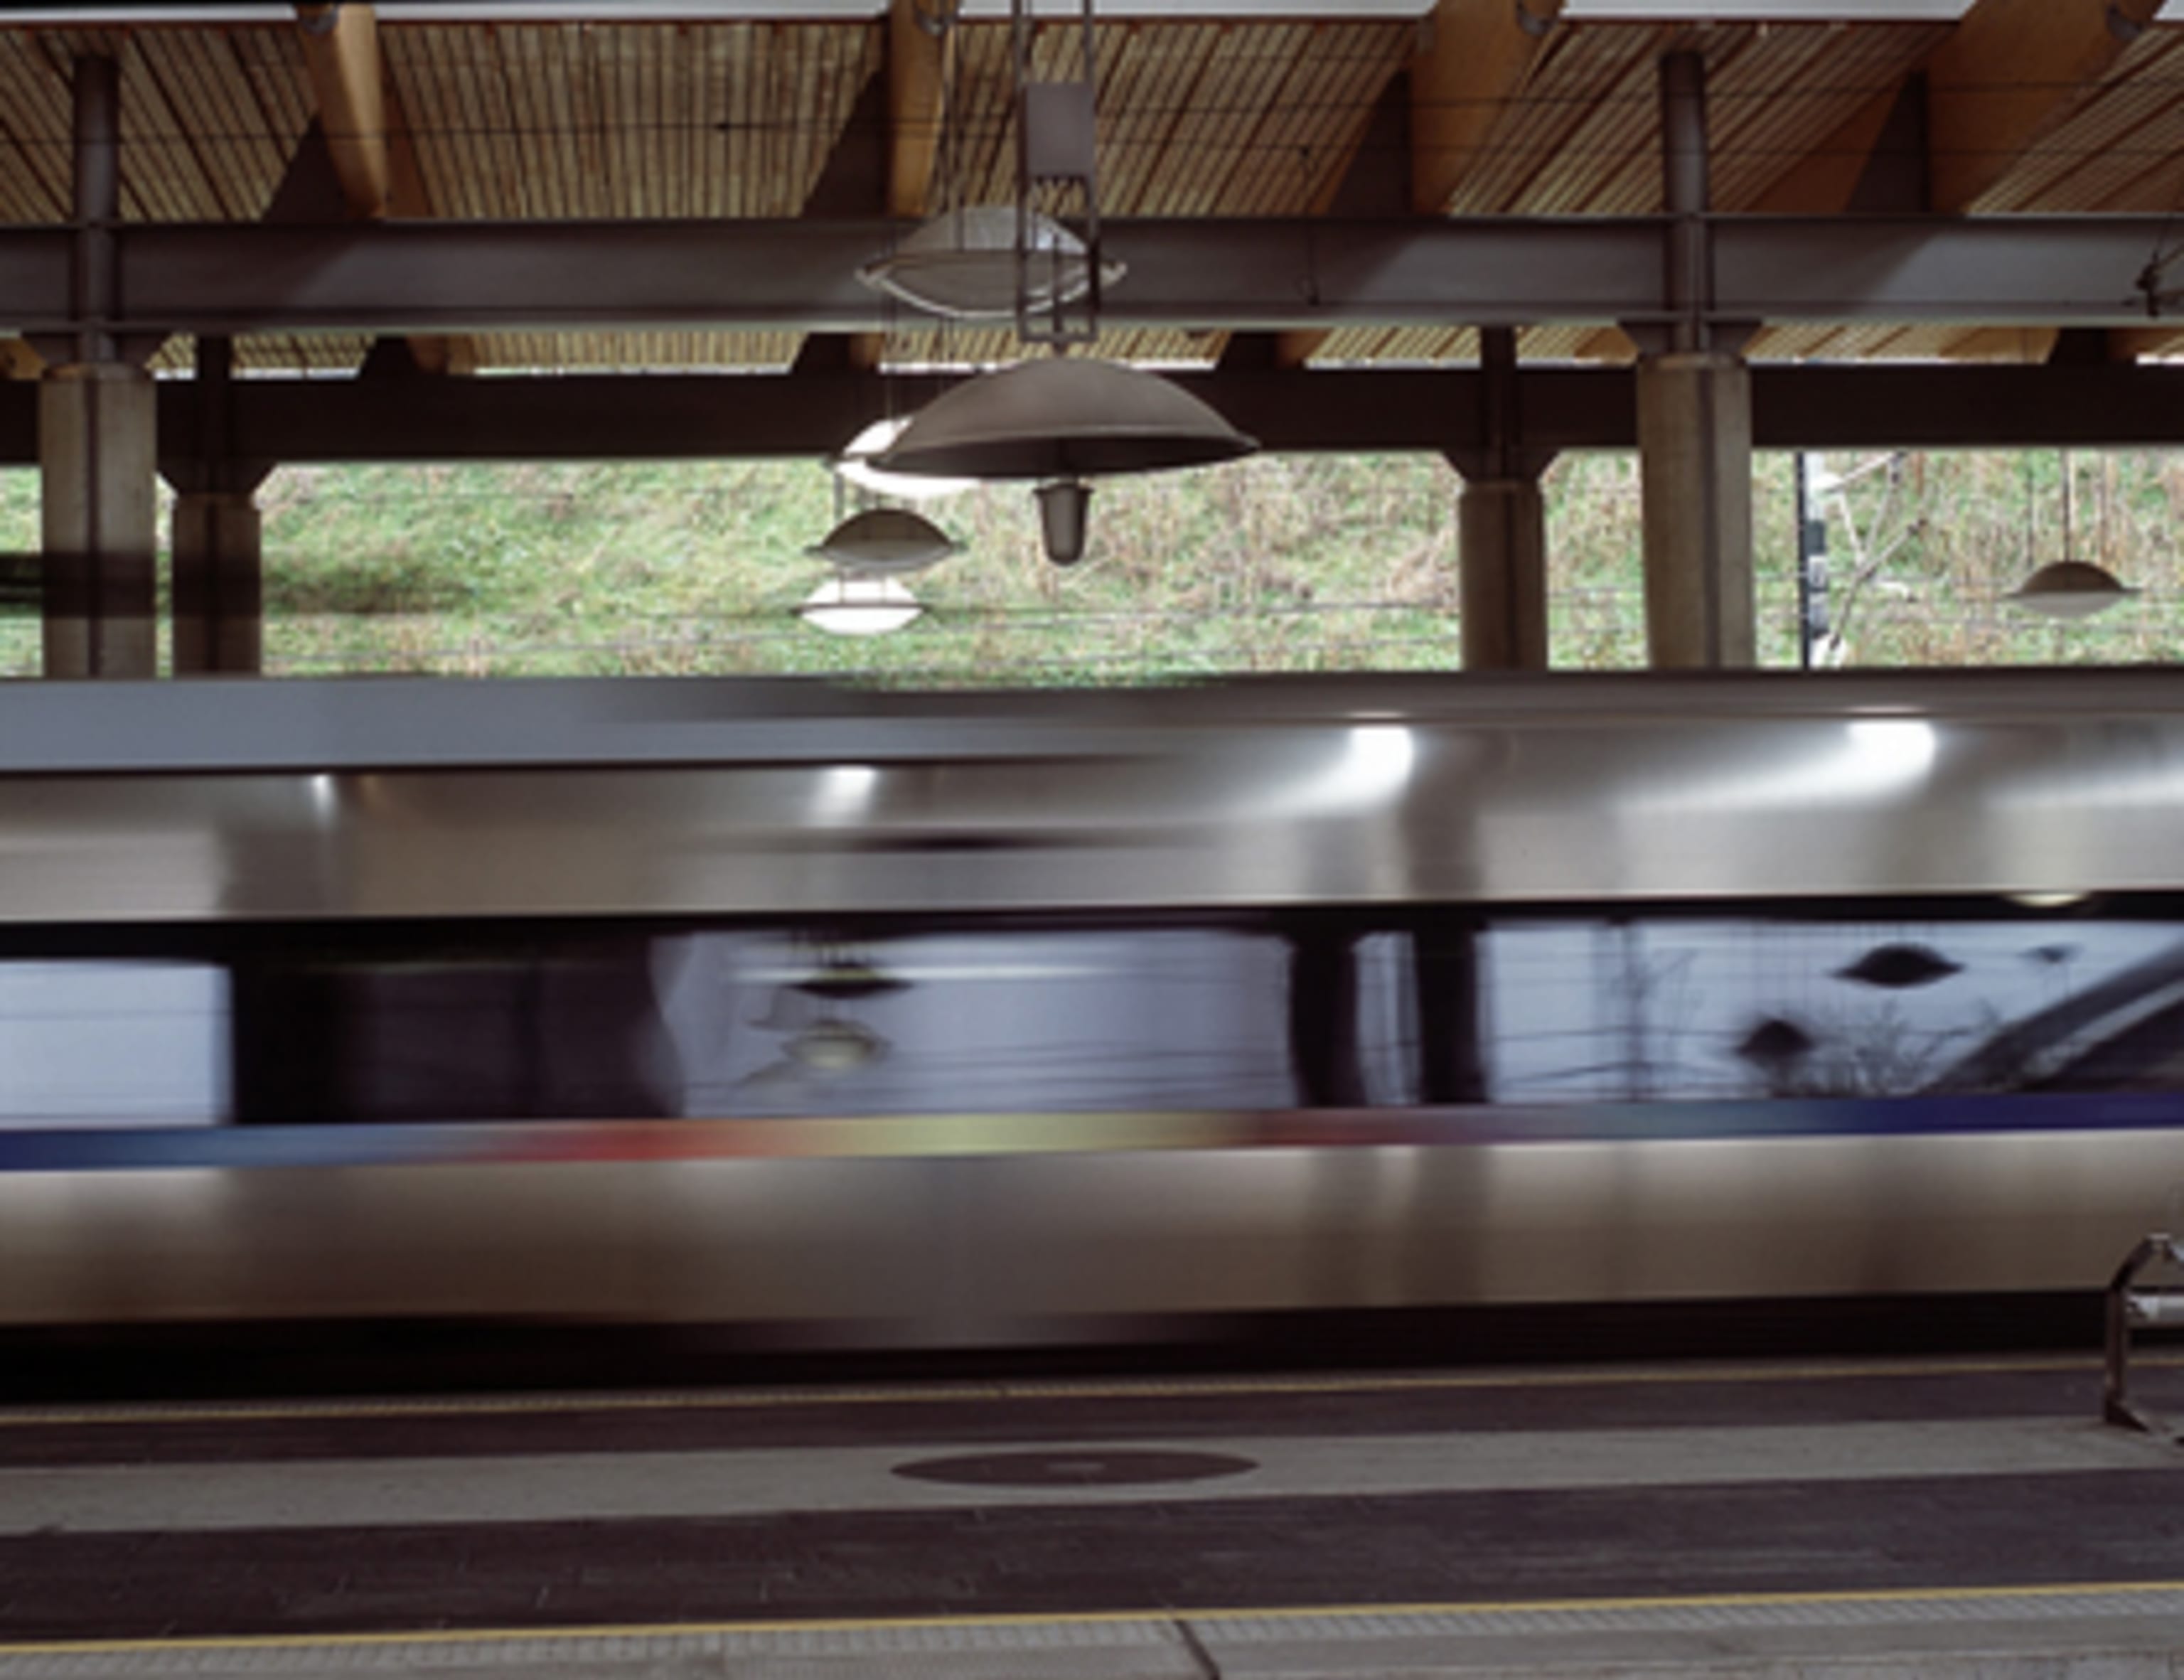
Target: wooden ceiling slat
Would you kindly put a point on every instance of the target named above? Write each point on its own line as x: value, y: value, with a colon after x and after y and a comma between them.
x: 769, y: 98
x: 272, y: 72
x: 1582, y: 70
x: 1237, y: 85
x: 810, y: 131
x: 499, y: 108
x: 259, y: 155
x: 412, y: 59
x: 1129, y: 119
x: 466, y: 138
x: 737, y: 140
x: 1620, y: 172
x: 642, y: 117
x: 33, y: 188
x: 1243, y: 73
x: 675, y: 75
x: 1172, y: 69
x: 1281, y: 155
x: 704, y: 145
x: 551, y: 144
x: 1253, y: 144
x: 2121, y: 139
x: 161, y: 177
x: 793, y: 115
x: 205, y: 181
x: 531, y: 119
x: 1190, y: 78
x: 1377, y: 56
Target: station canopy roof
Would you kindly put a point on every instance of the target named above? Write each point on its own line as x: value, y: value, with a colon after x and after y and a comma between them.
x: 723, y: 109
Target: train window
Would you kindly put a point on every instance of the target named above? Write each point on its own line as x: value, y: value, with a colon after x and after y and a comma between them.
x: 112, y: 1043
x: 1677, y: 1008
x: 995, y: 1021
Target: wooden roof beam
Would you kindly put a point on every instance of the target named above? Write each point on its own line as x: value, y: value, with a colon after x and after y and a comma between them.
x: 2007, y: 75
x: 367, y: 138
x: 921, y: 40
x: 1474, y: 57
x: 1478, y: 56
x: 18, y: 360
x: 341, y: 51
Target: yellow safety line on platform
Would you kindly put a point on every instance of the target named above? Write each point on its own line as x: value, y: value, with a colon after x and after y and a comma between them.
x: 1212, y: 1387
x: 1165, y: 1614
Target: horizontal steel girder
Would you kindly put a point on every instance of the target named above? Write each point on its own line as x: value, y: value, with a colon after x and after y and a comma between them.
x: 1210, y: 274
x: 602, y: 416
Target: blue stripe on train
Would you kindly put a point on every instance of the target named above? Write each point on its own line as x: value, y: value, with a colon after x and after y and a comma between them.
x: 569, y: 1141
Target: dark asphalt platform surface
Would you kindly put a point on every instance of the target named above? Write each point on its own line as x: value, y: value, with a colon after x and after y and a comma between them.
x: 1180, y: 1548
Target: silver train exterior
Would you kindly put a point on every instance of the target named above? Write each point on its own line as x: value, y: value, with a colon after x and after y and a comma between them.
x: 960, y: 1020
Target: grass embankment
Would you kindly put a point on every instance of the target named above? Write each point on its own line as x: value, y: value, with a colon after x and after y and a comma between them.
x: 1280, y: 563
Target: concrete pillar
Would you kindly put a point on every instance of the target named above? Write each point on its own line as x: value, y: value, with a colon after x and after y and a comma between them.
x: 218, y: 595
x: 1695, y: 441
x: 219, y: 550
x: 98, y: 432
x: 1502, y: 523
x: 1694, y: 421
x: 1501, y: 530
x: 97, y: 456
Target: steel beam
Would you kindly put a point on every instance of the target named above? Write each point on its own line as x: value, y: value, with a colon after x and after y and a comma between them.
x: 1244, y: 274
x: 725, y: 416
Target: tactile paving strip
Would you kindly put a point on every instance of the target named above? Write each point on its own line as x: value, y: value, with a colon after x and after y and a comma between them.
x: 1121, y: 1647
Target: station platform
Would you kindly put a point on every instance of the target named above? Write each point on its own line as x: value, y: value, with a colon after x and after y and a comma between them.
x: 1866, y: 1518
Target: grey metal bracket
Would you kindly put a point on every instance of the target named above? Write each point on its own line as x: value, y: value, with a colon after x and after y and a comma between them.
x: 2133, y: 1303
x: 1056, y: 152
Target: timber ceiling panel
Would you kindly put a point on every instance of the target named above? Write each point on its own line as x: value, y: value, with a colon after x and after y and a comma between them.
x: 636, y: 352
x: 2121, y: 150
x: 209, y: 117
x: 1204, y: 118
x: 1585, y: 139
x: 1198, y: 117
x: 326, y: 353
x: 575, y: 120
x: 990, y: 346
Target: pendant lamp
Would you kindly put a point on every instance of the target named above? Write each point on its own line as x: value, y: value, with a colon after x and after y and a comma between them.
x: 964, y: 265
x: 859, y: 606
x: 2070, y: 589
x: 854, y: 464
x: 2067, y: 589
x: 1070, y: 417
x: 884, y: 542
x: 1061, y: 421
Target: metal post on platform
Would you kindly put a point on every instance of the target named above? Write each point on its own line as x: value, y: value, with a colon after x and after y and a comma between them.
x: 2129, y: 1306
x: 1812, y: 564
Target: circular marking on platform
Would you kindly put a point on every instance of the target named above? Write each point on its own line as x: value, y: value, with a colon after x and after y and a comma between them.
x: 1084, y: 1467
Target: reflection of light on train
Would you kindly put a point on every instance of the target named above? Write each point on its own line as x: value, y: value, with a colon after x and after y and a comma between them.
x: 962, y: 1018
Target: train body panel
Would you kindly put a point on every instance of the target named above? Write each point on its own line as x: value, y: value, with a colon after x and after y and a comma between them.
x: 959, y: 1020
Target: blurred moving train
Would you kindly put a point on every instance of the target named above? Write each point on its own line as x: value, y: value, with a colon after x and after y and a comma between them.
x: 959, y: 1020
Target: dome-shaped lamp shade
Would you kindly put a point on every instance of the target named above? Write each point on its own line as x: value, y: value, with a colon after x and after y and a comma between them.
x: 2070, y: 589
x: 859, y: 606
x: 854, y: 464
x: 964, y: 265
x: 1068, y: 418
x: 884, y: 542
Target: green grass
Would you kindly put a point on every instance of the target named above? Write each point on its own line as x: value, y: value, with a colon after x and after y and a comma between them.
x: 1274, y: 564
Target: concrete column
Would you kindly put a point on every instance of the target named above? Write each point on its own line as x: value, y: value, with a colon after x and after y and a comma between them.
x: 97, y: 457
x: 219, y: 550
x: 219, y: 568
x: 1501, y: 530
x: 1694, y: 421
x: 1695, y: 440
x: 1502, y: 523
